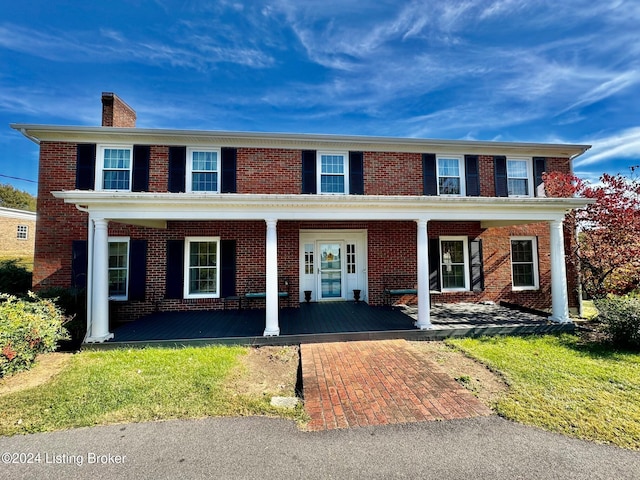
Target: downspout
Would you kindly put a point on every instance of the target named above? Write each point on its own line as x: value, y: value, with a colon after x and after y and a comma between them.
x: 89, y: 271
x: 23, y: 131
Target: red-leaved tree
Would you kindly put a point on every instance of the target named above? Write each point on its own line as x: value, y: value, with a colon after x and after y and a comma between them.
x: 608, y: 230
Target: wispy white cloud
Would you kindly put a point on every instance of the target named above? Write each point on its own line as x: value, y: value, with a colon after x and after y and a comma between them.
x: 624, y: 144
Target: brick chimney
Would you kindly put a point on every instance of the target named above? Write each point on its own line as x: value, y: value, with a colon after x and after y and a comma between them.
x: 116, y: 113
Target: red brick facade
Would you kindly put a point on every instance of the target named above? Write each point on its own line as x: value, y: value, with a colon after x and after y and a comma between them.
x: 391, y: 244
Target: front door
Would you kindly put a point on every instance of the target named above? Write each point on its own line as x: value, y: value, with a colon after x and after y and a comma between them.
x: 330, y: 270
x: 333, y: 263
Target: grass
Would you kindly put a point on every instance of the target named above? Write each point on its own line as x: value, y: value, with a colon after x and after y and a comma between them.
x: 106, y: 387
x: 589, y: 391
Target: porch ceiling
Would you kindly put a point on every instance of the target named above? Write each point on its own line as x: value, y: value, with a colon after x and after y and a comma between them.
x: 132, y: 207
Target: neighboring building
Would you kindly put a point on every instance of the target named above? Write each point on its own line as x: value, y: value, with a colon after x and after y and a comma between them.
x: 17, y: 233
x: 192, y: 220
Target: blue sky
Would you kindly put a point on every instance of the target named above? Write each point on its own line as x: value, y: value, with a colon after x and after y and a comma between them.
x: 505, y: 70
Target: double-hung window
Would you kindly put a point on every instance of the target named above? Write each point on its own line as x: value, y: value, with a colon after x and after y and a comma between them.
x: 454, y: 263
x: 118, y: 268
x: 113, y: 170
x: 203, y: 170
x: 519, y: 177
x: 450, y: 175
x: 524, y: 263
x: 201, y: 267
x: 333, y: 173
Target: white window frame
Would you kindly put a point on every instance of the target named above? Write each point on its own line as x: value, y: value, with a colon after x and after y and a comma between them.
x: 529, y: 163
x: 536, y: 275
x: 345, y: 174
x: 99, y: 177
x: 22, y: 232
x: 465, y: 251
x: 190, y: 171
x: 126, y: 240
x: 187, y: 244
x: 461, y: 165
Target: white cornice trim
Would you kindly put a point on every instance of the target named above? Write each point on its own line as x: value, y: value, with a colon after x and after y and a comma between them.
x: 191, y: 206
x: 18, y: 214
x: 147, y: 136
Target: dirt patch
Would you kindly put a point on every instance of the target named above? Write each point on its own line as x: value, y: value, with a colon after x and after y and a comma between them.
x: 47, y: 366
x: 487, y: 386
x: 268, y: 371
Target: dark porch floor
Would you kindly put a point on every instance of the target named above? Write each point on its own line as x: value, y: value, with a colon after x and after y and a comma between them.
x: 325, y: 322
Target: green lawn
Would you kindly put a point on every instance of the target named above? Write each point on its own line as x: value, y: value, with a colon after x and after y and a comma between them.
x: 588, y: 391
x: 103, y: 387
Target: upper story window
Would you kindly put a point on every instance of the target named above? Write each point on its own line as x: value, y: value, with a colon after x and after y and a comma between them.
x: 454, y: 261
x: 333, y: 173
x: 23, y: 232
x: 113, y: 170
x: 450, y: 176
x: 118, y: 268
x: 519, y: 177
x: 203, y: 170
x: 524, y: 263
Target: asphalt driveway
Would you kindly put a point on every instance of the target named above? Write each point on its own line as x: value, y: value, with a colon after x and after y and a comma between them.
x: 476, y: 448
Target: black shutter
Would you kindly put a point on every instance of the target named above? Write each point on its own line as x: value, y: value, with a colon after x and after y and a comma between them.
x: 175, y: 270
x: 539, y: 167
x: 309, y: 171
x: 472, y: 174
x: 429, y: 177
x: 177, y: 169
x: 229, y: 161
x: 141, y: 154
x: 79, y: 264
x: 501, y: 176
x: 227, y: 268
x: 434, y: 264
x: 477, y: 274
x: 356, y: 173
x: 86, y: 166
x: 137, y: 269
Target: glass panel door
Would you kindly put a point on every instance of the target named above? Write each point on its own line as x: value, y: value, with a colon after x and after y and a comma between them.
x: 330, y: 271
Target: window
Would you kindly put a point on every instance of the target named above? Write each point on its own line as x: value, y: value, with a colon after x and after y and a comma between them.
x: 351, y: 258
x: 308, y: 259
x: 203, y: 170
x: 113, y: 171
x: 118, y: 268
x: 450, y: 176
x: 519, y: 177
x: 334, y: 173
x: 454, y: 261
x: 23, y: 232
x: 202, y: 275
x: 524, y: 263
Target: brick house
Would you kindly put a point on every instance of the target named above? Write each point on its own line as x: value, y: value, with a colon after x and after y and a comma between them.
x: 17, y: 232
x: 154, y: 220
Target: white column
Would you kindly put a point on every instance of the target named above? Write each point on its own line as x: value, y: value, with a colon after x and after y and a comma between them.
x: 559, y: 296
x: 271, y: 324
x: 424, y: 306
x: 100, y: 283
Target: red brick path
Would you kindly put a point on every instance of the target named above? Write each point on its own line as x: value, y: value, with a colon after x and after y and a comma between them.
x: 353, y: 384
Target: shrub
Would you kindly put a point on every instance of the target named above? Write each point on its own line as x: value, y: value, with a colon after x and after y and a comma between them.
x: 14, y: 279
x: 620, y: 319
x: 27, y: 327
x: 72, y: 302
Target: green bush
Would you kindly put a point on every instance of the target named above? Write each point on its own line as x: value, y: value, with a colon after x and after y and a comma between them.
x: 73, y: 303
x: 619, y: 319
x: 14, y: 279
x: 27, y: 327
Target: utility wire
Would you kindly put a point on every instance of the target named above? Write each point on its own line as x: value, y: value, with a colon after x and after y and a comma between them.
x: 18, y: 178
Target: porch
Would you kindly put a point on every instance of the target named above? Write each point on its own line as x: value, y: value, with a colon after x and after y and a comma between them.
x: 327, y: 322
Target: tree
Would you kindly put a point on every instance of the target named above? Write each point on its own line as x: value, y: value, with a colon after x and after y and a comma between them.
x: 10, y: 197
x: 608, y: 230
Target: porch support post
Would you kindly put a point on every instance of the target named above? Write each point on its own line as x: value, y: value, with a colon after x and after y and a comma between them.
x: 559, y: 296
x: 272, y: 328
x: 424, y: 307
x: 99, y: 279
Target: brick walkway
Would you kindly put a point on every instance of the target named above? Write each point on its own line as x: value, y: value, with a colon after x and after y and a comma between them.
x: 351, y: 384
